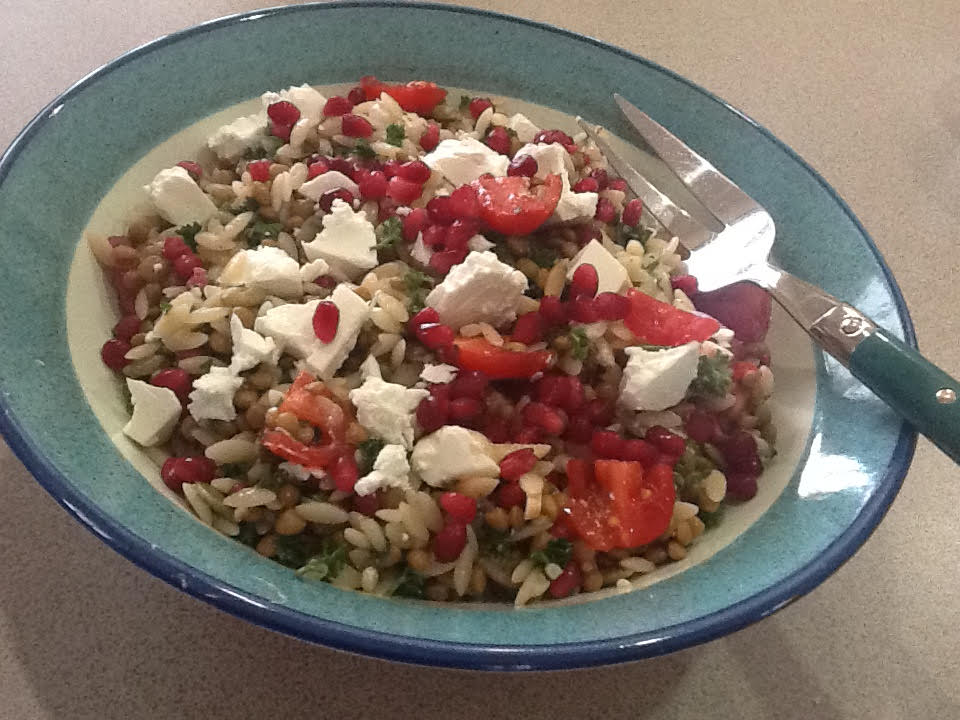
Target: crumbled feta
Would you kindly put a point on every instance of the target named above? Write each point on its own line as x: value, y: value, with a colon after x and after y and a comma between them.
x: 390, y: 469
x: 297, y: 472
x: 479, y: 243
x: 250, y: 348
x: 370, y: 368
x: 291, y: 326
x: 314, y: 269
x: 306, y: 99
x: 553, y: 159
x: 232, y: 141
x: 611, y: 275
x: 656, y: 380
x: 212, y: 396
x: 450, y: 453
x: 480, y: 289
x: 156, y: 411
x: 387, y: 409
x: 526, y: 131
x: 575, y: 206
x: 463, y: 161
x: 330, y: 180
x: 420, y: 252
x: 178, y: 198
x: 268, y: 268
x: 347, y: 242
x: 438, y: 374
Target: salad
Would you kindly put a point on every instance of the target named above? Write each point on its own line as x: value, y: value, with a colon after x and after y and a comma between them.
x: 413, y: 344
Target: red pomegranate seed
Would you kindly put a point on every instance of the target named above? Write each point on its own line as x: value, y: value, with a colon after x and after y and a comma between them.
x: 441, y: 262
x: 194, y: 469
x: 450, y: 541
x: 741, y: 485
x: 325, y: 202
x: 528, y: 435
x: 554, y: 136
x: 523, y: 166
x: 551, y: 390
x: 583, y: 310
x: 478, y: 105
x: 184, y: 265
x: 326, y: 320
x: 198, y: 278
x: 280, y: 131
x: 174, y: 247
x: 498, y: 140
x: 553, y: 311
x: 326, y: 281
x: 587, y: 232
x: 600, y: 411
x: 545, y: 417
x: 113, y: 354
x: 116, y: 240
x: 496, y: 429
x: 742, y: 368
x: 440, y: 210
x: 356, y: 95
x: 587, y: 184
x: 366, y: 504
x: 283, y: 112
x: 342, y: 165
x: 465, y: 409
x: 403, y: 191
x: 665, y: 441
x: 316, y: 168
x: 345, y: 472
x: 632, y: 212
x: 611, y: 306
x: 259, y: 170
x: 687, y: 284
x: 414, y: 223
x: 372, y: 184
x: 127, y: 303
x: 602, y: 178
x: 431, y: 413
x: 435, y: 335
x: 196, y: 172
x: 356, y: 126
x: 584, y: 281
x: 390, y: 168
x: 469, y: 384
x: 174, y: 379
x: 128, y: 326
x: 517, y: 463
x: 567, y: 582
x: 617, y: 184
x: 739, y: 449
x: 579, y: 429
x: 459, y: 507
x: 337, y: 106
x: 529, y: 329
x: 431, y: 137
x: 415, y: 171
x: 464, y: 203
x: 607, y: 444
x: 427, y: 316
x: 639, y: 451
x: 701, y: 426
x: 574, y: 395
x: 510, y: 495
x: 605, y: 211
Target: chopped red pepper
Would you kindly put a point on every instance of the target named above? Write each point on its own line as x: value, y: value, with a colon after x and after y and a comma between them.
x: 659, y: 323
x: 475, y: 353
x: 315, y: 406
x: 418, y: 96
x: 312, y: 457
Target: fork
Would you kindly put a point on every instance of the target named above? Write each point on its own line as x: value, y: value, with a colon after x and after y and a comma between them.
x: 915, y: 388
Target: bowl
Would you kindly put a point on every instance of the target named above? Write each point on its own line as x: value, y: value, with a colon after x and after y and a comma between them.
x: 78, y: 165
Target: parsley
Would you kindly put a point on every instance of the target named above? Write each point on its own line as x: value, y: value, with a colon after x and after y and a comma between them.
x: 395, y: 134
x: 464, y: 102
x: 711, y: 519
x: 417, y: 285
x: 411, y: 585
x: 579, y: 343
x: 232, y: 469
x: 291, y: 551
x: 367, y: 452
x: 389, y: 233
x: 189, y: 234
x: 164, y: 307
x: 363, y: 150
x: 691, y: 467
x: 259, y: 152
x: 713, y: 376
x: 557, y: 551
x: 494, y: 542
x: 511, y: 132
x: 248, y: 534
x: 259, y: 230
x: 326, y: 564
x: 626, y: 233
x: 545, y: 257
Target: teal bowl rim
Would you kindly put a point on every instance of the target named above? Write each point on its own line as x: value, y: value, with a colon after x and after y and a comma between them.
x: 449, y: 654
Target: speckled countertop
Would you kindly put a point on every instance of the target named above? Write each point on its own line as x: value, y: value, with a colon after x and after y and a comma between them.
x: 869, y: 94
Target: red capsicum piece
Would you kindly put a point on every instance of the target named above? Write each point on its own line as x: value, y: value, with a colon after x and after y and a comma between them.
x: 475, y: 353
x: 659, y: 323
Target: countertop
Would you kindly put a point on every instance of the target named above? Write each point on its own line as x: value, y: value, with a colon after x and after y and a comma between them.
x: 869, y: 94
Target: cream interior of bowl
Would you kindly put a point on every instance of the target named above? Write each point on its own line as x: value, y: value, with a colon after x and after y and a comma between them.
x: 91, y: 313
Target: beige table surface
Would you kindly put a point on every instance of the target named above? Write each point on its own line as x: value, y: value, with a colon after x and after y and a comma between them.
x: 869, y: 94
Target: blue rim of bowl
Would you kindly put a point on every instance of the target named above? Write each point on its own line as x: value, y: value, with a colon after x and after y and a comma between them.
x: 400, y: 648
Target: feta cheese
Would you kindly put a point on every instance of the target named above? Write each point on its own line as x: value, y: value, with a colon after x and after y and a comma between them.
x: 387, y: 409
x: 526, y: 131
x: 179, y: 199
x: 307, y: 100
x: 575, y: 206
x: 480, y: 243
x: 232, y: 141
x: 480, y: 289
x: 553, y: 159
x: 250, y: 348
x: 347, y: 242
x: 438, y: 374
x: 268, y: 268
x: 656, y: 380
x: 290, y: 326
x: 390, y: 469
x: 450, y: 453
x: 297, y: 472
x: 330, y: 180
x: 370, y: 368
x: 212, y: 396
x: 314, y: 269
x: 611, y: 275
x: 156, y: 411
x: 464, y: 160
x: 420, y: 252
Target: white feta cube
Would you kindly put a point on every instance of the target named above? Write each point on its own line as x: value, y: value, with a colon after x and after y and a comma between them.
x: 326, y: 358
x: 387, y: 409
x: 479, y: 243
x: 526, y: 131
x: 330, y: 180
x: 439, y: 374
x: 390, y: 469
x: 250, y: 348
x: 268, y: 268
x: 212, y: 396
x: 156, y: 411
x: 290, y: 326
x: 450, y: 453
x: 178, y: 198
x: 306, y: 99
x: 232, y: 141
x: 420, y: 252
x: 313, y: 269
x: 463, y: 160
x: 611, y: 275
x: 370, y: 368
x: 553, y: 159
x: 657, y: 380
x: 347, y: 242
x: 480, y: 289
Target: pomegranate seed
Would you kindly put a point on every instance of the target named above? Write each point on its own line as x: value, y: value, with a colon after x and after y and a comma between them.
x: 665, y: 441
x: 450, y: 541
x: 116, y: 240
x: 574, y: 396
x: 517, y: 463
x: 426, y: 316
x: 617, y: 184
x: 701, y: 426
x: 414, y: 223
x: 510, y: 495
x: 602, y: 178
x: 584, y: 281
x: 579, y: 429
x: 196, y: 172
x: 259, y: 170
x: 540, y: 415
x: 435, y: 336
x: 441, y: 262
x: 600, y: 411
x: 529, y: 435
x: 687, y: 284
x: 390, y: 168
x: 366, y: 504
x: 326, y: 320
x: 554, y: 136
x: 449, y: 354
x: 431, y: 137
x: 606, y: 212
x: 356, y: 126
x: 588, y: 232
x: 198, y: 278
x: 740, y: 485
x: 460, y: 507
x: 496, y: 430
x: 356, y: 95
x: 587, y: 184
x: 440, y: 210
x: 128, y: 326
x: 459, y: 234
x: 403, y: 191
x: 553, y: 311
x: 523, y: 166
x: 632, y: 212
x: 317, y: 168
x: 431, y: 413
x: 280, y: 131
x: 739, y: 449
x: 607, y: 444
x: 342, y: 165
x: 337, y: 106
x: 415, y: 171
x: 639, y: 451
x: 194, y: 469
x: 326, y: 200
x: 611, y: 306
x: 372, y: 184
x: 465, y: 409
x: 113, y: 354
x: 478, y: 105
x: 464, y: 203
x: 551, y: 390
x: 567, y: 582
x: 174, y: 247
x: 127, y: 303
x: 283, y: 112
x: 174, y: 379
x: 498, y: 140
x: 469, y: 384
x: 584, y: 310
x: 742, y: 368
x: 345, y: 472
x: 184, y: 265
x: 529, y: 329
x: 326, y: 281
x: 435, y: 237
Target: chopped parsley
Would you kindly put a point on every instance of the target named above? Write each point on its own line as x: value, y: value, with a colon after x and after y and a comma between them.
x: 363, y: 150
x: 626, y: 233
x: 494, y: 542
x: 395, y: 134
x: 545, y: 257
x: 691, y: 468
x: 389, y: 233
x: 291, y: 551
x: 248, y: 534
x: 232, y: 469
x: 511, y: 132
x: 326, y: 564
x: 367, y: 452
x: 713, y: 376
x: 417, y: 285
x: 259, y: 230
x: 164, y: 307
x: 464, y: 102
x: 411, y: 585
x: 579, y: 343
x: 258, y: 152
x: 557, y: 551
x: 189, y: 234
x: 711, y: 519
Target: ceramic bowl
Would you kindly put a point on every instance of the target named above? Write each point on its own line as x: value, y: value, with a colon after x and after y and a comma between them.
x: 81, y: 161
